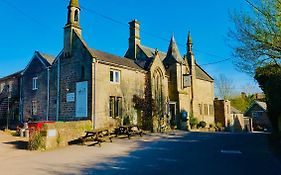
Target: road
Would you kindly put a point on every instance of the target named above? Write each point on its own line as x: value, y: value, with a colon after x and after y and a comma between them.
x: 196, y: 154
x: 180, y: 153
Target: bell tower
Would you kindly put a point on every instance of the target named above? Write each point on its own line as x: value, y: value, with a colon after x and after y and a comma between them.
x: 73, y: 24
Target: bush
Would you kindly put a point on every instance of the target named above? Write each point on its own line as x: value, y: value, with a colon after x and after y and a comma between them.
x: 36, y: 141
x: 211, y: 125
x: 193, y: 121
x: 219, y: 126
x: 201, y: 124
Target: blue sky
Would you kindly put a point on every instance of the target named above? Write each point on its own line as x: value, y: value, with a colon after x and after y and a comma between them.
x: 32, y: 25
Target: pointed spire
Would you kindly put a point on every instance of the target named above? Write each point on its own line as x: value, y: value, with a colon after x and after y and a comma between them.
x: 74, y: 3
x: 173, y: 54
x: 173, y: 50
x: 189, y: 42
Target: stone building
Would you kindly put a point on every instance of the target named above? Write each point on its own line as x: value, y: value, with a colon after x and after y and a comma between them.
x: 9, y: 98
x: 83, y: 83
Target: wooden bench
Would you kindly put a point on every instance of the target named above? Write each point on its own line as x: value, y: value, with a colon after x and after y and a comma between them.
x: 97, y: 136
x: 128, y: 130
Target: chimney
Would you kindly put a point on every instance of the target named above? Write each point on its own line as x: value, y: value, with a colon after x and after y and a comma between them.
x: 134, y: 39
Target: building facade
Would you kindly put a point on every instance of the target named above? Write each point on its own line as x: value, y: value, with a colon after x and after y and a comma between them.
x: 82, y: 83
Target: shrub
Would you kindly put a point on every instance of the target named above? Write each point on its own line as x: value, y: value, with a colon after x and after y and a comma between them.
x: 219, y: 126
x: 193, y: 121
x: 201, y: 124
x: 36, y: 141
x: 211, y: 125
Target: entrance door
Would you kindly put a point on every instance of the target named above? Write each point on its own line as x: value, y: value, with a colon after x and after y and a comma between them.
x: 173, y: 113
x: 82, y: 99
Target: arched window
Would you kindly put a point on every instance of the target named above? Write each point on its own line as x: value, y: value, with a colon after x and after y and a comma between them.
x: 158, y: 90
x: 76, y: 15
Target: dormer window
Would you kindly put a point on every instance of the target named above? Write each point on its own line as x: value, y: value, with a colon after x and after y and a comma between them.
x: 34, y: 83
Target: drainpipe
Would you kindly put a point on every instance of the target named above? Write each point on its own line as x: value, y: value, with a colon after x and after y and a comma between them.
x: 21, y: 103
x: 48, y: 93
x: 95, y: 87
x: 58, y: 90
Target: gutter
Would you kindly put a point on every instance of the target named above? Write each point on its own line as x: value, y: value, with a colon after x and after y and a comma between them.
x: 95, y: 87
x: 58, y: 90
x: 48, y: 93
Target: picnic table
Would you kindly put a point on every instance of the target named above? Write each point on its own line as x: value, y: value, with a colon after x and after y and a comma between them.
x: 128, y: 130
x: 97, y: 136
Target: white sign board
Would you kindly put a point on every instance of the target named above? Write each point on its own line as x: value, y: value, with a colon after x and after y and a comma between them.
x: 70, y: 97
x: 82, y: 99
x: 52, y: 133
x: 186, y: 81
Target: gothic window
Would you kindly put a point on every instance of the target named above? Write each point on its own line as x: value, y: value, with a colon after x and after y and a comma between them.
x: 158, y: 90
x: 76, y: 16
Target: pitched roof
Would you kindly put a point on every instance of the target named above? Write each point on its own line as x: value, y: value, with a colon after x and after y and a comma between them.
x: 47, y: 59
x: 235, y: 111
x: 16, y: 74
x: 107, y: 57
x: 201, y: 74
x: 149, y: 52
x: 173, y: 54
x: 262, y: 105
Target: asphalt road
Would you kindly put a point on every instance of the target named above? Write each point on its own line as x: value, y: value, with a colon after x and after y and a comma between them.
x: 196, y: 154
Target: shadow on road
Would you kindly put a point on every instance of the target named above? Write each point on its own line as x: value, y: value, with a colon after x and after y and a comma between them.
x: 18, y: 144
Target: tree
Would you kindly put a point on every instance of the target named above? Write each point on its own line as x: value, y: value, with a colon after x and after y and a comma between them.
x: 225, y: 87
x: 242, y: 103
x: 269, y: 78
x: 257, y: 35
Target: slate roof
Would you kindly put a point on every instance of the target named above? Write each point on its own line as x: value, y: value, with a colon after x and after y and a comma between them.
x: 262, y: 105
x: 47, y: 59
x: 149, y: 52
x: 16, y: 74
x: 235, y: 111
x: 107, y: 57
x: 173, y: 54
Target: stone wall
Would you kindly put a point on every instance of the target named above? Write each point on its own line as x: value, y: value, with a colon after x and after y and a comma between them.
x: 35, y: 69
x: 203, y: 95
x: 59, y: 134
x: 132, y: 83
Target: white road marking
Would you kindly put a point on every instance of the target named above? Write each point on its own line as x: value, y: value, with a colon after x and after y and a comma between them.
x: 231, y: 152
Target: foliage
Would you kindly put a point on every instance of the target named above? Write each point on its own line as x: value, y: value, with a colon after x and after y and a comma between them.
x: 269, y: 78
x: 202, y: 124
x: 257, y: 35
x: 36, y: 141
x: 146, y: 105
x: 126, y: 120
x: 193, y: 121
x: 224, y: 86
x: 219, y: 126
x: 242, y: 103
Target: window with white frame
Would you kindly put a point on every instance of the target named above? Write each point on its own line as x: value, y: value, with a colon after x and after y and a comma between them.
x: 115, y: 76
x: 35, y: 83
